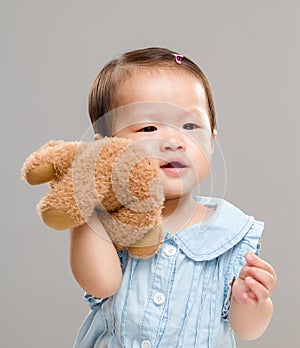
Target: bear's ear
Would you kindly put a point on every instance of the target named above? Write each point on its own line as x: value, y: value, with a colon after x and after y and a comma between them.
x: 98, y: 136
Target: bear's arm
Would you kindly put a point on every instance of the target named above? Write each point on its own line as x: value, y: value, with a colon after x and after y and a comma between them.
x: 49, y: 162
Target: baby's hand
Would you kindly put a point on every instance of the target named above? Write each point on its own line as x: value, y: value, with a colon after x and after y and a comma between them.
x: 255, y: 283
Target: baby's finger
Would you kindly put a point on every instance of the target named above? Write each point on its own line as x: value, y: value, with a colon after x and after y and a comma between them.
x: 262, y: 276
x: 248, y: 299
x: 258, y: 289
x: 253, y: 260
x: 244, y: 272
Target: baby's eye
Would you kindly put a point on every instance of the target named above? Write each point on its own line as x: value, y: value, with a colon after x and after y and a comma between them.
x: 148, y: 129
x: 190, y: 126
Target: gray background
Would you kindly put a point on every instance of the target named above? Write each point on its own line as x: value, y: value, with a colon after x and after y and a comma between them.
x: 50, y: 54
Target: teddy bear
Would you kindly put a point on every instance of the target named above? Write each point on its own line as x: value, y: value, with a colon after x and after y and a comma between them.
x: 112, y: 177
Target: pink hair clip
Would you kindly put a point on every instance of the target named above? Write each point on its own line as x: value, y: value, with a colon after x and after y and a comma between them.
x: 178, y: 58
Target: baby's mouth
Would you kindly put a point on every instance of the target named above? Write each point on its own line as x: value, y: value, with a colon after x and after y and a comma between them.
x: 174, y: 164
x: 174, y: 167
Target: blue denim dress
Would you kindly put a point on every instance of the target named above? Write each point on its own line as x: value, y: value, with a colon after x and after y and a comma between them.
x: 180, y: 296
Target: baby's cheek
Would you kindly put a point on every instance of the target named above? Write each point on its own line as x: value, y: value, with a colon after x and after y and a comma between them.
x: 201, y: 165
x: 202, y: 148
x: 202, y: 138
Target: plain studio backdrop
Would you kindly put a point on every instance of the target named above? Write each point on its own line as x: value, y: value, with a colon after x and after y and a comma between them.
x: 50, y: 53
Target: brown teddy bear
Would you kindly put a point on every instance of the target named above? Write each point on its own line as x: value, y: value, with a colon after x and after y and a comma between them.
x: 111, y: 176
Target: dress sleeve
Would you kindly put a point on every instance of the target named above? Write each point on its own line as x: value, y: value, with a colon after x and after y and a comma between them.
x: 250, y: 242
x: 93, y: 301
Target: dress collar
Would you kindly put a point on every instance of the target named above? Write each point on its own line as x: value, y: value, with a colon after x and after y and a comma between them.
x: 209, y: 239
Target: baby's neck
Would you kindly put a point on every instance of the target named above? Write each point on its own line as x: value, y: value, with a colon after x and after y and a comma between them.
x: 179, y: 213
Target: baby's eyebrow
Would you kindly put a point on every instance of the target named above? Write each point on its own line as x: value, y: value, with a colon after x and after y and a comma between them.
x: 198, y: 118
x: 170, y: 118
x: 195, y: 112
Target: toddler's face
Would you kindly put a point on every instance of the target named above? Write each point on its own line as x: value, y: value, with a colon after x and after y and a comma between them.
x: 168, y: 115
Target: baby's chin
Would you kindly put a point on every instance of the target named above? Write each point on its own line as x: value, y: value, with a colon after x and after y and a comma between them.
x: 173, y: 194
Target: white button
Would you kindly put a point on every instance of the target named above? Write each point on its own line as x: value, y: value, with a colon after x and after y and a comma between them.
x: 159, y: 298
x: 175, y: 239
x: 146, y: 344
x: 170, y: 250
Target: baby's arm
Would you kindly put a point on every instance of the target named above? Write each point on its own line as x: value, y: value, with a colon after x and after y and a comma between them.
x: 94, y: 261
x: 251, y: 308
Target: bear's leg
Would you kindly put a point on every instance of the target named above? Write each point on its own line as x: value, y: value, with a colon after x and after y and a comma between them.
x: 60, y: 208
x: 57, y: 219
x: 149, y: 245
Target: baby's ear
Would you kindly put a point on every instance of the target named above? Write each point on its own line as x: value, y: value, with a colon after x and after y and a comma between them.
x: 98, y: 136
x: 214, y: 135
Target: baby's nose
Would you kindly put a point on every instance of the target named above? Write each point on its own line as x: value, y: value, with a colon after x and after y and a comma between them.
x: 172, y: 145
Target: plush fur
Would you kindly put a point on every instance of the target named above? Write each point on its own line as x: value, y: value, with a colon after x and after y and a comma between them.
x: 113, y: 177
